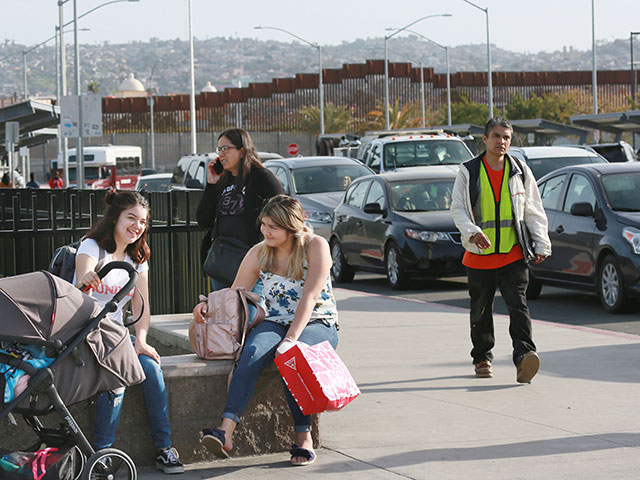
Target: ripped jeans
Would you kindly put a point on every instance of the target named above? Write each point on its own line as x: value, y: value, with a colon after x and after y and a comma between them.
x: 109, y: 405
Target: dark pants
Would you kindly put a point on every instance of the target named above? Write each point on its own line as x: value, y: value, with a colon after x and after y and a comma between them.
x: 512, y: 280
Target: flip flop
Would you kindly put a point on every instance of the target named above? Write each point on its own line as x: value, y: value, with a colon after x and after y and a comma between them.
x: 297, y: 451
x: 213, y: 439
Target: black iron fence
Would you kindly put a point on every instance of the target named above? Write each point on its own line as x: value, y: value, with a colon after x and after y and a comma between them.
x: 33, y: 223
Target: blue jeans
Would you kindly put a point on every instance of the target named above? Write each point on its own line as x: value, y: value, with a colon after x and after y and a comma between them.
x: 109, y: 405
x: 259, y: 351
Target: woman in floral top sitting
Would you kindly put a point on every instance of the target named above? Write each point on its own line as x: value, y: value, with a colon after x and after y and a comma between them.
x: 293, y: 266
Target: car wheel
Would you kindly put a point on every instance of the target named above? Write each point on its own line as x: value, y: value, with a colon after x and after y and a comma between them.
x: 396, y: 271
x: 534, y: 288
x: 341, y: 271
x: 611, y: 286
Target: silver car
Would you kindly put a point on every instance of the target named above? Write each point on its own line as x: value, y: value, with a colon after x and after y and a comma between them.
x: 318, y: 183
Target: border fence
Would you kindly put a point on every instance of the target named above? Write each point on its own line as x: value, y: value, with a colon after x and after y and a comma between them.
x: 33, y: 223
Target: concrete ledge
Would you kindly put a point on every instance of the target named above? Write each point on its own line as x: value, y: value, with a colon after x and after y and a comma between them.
x: 196, y: 392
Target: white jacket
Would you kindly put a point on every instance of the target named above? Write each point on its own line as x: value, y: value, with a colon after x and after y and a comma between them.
x: 526, y: 204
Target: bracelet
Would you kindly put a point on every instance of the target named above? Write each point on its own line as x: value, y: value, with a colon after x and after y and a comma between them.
x: 289, y: 339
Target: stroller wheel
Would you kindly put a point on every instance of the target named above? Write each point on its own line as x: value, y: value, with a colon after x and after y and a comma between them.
x: 109, y: 464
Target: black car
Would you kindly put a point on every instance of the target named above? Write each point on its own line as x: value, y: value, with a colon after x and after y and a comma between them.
x: 594, y: 226
x: 397, y: 223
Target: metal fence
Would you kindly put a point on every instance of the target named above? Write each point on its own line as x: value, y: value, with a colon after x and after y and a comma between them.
x: 33, y: 223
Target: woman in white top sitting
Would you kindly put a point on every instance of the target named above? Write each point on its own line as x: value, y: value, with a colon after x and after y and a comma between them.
x: 293, y: 266
x: 121, y: 235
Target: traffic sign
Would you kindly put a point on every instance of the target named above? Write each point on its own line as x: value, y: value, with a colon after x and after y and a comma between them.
x: 293, y: 149
x: 91, y: 115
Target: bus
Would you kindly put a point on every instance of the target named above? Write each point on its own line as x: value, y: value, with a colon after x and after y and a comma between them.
x: 106, y: 166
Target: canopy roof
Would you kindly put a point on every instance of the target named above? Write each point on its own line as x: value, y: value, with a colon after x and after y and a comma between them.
x: 35, y: 119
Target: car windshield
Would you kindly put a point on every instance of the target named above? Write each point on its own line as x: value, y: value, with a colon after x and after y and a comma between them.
x: 425, y: 152
x: 622, y: 190
x: 421, y: 195
x: 326, y: 178
x: 90, y: 173
x: 154, y: 184
x: 541, y: 166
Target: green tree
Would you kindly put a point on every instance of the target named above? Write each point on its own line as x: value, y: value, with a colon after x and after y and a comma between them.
x: 94, y: 87
x: 407, y: 116
x: 336, y: 118
x: 466, y: 110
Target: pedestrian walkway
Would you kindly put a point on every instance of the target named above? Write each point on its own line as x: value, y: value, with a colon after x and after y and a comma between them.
x: 423, y: 415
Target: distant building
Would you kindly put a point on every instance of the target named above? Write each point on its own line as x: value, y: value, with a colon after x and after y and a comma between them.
x: 208, y: 88
x: 130, y: 87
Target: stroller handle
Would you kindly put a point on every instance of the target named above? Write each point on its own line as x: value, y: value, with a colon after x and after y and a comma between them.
x: 133, y: 278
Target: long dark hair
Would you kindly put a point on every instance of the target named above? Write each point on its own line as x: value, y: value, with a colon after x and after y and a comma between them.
x: 240, y: 139
x: 102, y: 231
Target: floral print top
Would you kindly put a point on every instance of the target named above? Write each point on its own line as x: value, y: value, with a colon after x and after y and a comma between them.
x: 282, y: 296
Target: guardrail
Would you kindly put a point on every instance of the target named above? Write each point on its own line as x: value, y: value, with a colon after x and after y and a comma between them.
x: 33, y: 223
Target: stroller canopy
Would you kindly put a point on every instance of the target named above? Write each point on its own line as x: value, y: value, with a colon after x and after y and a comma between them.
x: 40, y: 305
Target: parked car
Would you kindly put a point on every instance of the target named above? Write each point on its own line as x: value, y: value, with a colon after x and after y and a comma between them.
x: 542, y: 160
x: 397, y: 223
x: 594, y: 226
x: 318, y: 183
x: 191, y: 170
x: 616, y: 152
x: 157, y: 182
x: 398, y: 152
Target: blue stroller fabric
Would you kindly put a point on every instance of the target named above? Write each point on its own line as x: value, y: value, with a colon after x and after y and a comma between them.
x: 32, y: 354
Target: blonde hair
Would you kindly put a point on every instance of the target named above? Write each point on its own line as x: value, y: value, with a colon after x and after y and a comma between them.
x: 286, y: 212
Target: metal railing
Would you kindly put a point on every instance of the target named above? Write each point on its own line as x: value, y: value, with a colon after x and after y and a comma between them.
x: 33, y: 223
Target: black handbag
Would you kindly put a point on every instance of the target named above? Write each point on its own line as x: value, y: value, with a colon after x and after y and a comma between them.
x: 224, y: 258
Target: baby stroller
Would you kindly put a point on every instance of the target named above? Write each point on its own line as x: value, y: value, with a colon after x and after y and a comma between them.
x: 72, y: 350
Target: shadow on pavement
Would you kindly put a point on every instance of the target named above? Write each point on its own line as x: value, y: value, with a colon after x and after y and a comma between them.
x: 535, y: 448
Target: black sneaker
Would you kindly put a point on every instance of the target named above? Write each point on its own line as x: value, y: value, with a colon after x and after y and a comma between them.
x: 168, y: 461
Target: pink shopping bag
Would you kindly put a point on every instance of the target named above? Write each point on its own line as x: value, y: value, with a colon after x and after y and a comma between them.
x: 317, y: 378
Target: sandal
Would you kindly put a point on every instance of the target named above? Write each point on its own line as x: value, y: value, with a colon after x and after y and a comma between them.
x: 297, y: 451
x: 214, y: 440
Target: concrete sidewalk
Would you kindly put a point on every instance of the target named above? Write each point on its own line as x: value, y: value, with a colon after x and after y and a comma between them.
x: 423, y: 415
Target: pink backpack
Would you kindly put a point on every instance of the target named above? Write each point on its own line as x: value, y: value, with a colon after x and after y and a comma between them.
x: 222, y: 337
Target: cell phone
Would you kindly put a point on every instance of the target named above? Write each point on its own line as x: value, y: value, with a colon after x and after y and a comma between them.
x: 217, y: 166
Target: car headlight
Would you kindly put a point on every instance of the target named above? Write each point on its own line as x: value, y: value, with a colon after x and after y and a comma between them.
x: 317, y: 216
x: 427, y: 236
x: 632, y: 235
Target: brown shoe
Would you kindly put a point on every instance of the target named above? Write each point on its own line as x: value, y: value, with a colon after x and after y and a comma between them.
x: 528, y: 367
x: 483, y: 369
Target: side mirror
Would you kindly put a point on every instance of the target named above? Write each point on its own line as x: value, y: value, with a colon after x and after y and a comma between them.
x: 194, y: 184
x: 582, y: 209
x: 373, y: 208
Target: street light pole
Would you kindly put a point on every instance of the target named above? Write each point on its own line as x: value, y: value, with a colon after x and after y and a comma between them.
x: 446, y: 49
x: 79, y: 146
x: 62, y: 141
x: 386, y: 62
x: 489, y: 73
x: 634, y: 79
x: 192, y: 101
x: 320, y: 75
x: 594, y: 75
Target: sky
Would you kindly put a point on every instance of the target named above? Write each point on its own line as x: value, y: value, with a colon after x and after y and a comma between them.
x: 516, y: 25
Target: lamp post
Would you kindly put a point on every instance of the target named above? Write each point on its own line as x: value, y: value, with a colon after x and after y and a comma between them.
x: 634, y: 79
x: 446, y: 49
x: 422, y: 107
x: 386, y: 62
x: 79, y: 149
x: 594, y: 76
x: 152, y: 91
x: 192, y: 96
x: 489, y: 73
x: 320, y: 78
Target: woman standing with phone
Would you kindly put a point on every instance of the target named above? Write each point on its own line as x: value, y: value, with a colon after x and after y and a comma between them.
x: 237, y: 188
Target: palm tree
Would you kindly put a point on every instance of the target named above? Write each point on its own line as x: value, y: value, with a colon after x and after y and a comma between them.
x: 407, y: 116
x: 336, y: 118
x: 94, y: 87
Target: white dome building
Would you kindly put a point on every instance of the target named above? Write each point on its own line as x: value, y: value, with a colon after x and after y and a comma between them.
x: 131, y: 87
x: 208, y: 88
